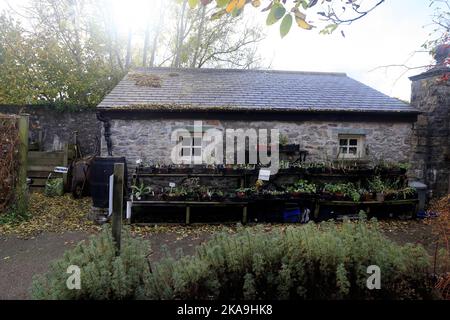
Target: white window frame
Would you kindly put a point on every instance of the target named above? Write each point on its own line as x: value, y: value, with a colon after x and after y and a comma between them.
x: 190, y: 145
x: 345, y: 151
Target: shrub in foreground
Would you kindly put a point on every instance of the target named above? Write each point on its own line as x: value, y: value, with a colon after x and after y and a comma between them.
x: 103, y: 275
x: 325, y: 261
x: 313, y: 262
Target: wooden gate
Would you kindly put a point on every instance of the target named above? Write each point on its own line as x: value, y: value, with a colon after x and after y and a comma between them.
x: 41, y: 164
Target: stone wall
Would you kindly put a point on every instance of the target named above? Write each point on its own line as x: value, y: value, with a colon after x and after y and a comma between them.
x: 150, y: 139
x: 431, y: 134
x: 57, y: 128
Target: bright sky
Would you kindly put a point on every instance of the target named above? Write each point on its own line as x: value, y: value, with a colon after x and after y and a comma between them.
x: 388, y: 35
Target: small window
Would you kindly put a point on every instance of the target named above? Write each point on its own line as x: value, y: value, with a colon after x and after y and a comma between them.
x: 351, y: 147
x: 191, y: 147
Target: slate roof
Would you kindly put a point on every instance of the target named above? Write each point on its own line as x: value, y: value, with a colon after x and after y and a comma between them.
x: 259, y: 90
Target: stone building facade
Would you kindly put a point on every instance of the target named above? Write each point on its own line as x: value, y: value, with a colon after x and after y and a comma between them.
x: 431, y: 134
x: 316, y: 110
x: 150, y: 139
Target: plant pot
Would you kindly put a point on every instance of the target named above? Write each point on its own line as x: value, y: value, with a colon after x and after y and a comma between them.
x: 380, y: 197
x: 340, y: 197
x: 241, y: 195
x: 367, y: 197
x: 290, y: 148
x: 217, y: 198
x: 205, y: 197
x: 391, y: 196
x: 338, y: 171
x: 162, y: 170
x: 326, y: 195
x: 143, y: 169
x: 296, y: 195
x: 228, y: 170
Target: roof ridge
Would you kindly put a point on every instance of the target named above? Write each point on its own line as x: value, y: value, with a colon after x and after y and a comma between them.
x: 240, y: 70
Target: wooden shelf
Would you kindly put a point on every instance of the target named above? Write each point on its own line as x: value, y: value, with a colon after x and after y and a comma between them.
x: 188, y: 175
x: 191, y: 203
x: 352, y: 203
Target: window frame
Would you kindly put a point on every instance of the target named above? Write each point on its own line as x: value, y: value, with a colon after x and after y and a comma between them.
x: 192, y: 146
x: 360, y: 149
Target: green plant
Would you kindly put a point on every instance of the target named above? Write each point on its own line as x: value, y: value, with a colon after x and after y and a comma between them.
x: 377, y: 185
x: 303, y: 186
x: 140, y: 191
x: 284, y: 140
x: 104, y: 275
x: 54, y: 187
x: 181, y: 192
x: 273, y: 193
x: 326, y: 262
x: 404, y: 166
x: 16, y: 213
x: 347, y: 189
x: 246, y: 191
x: 407, y: 192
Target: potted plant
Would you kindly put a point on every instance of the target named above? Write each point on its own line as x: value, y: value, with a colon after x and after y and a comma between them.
x: 342, y: 191
x: 334, y: 191
x: 241, y: 193
x: 244, y: 193
x: 217, y: 195
x: 161, y: 168
x: 176, y: 194
x: 140, y: 191
x: 366, y: 195
x: 205, y: 194
x: 228, y: 169
x: 407, y: 193
x: 301, y: 189
x: 403, y: 167
x: 279, y: 195
x: 316, y: 168
x: 378, y: 187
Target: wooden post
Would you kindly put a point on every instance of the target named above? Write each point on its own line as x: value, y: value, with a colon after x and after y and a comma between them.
x: 22, y: 189
x: 119, y: 169
x: 317, y: 209
x: 188, y: 215
x: 244, y: 215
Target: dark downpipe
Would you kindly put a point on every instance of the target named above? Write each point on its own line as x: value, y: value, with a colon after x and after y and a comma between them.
x: 107, y: 133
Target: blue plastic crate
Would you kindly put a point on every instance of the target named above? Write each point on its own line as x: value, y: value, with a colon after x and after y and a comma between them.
x: 292, y: 215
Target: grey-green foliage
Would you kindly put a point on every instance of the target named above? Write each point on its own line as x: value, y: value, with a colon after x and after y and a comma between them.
x: 326, y: 262
x: 103, y: 275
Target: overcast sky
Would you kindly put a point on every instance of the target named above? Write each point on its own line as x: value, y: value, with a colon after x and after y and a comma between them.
x: 388, y: 35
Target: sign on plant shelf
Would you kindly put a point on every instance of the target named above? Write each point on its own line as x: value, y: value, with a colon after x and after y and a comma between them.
x: 264, y: 175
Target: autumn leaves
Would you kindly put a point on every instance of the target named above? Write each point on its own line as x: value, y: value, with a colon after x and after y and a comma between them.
x: 276, y: 8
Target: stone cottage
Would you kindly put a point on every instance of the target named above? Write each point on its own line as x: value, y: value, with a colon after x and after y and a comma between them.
x: 330, y: 115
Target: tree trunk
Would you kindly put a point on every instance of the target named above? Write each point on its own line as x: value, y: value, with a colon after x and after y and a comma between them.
x: 146, y: 41
x: 199, y: 37
x: 180, y: 36
x: 156, y: 36
x: 128, y: 58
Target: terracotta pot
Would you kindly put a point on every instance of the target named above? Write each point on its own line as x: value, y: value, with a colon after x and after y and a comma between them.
x: 380, y: 197
x: 241, y: 194
x: 367, y: 197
